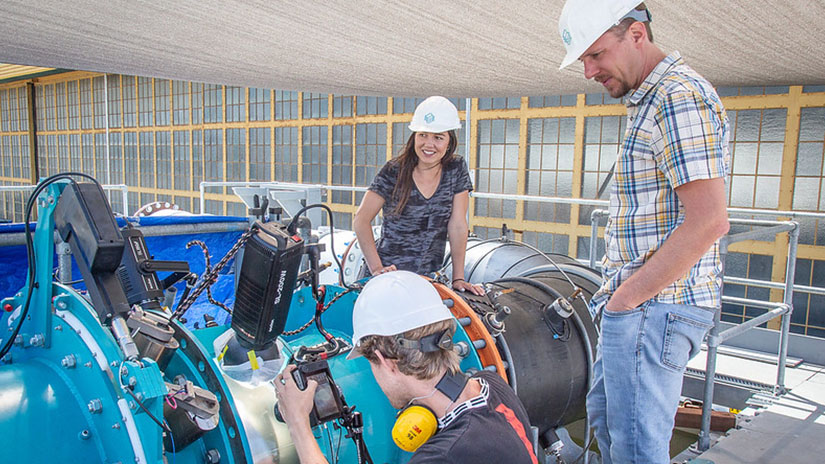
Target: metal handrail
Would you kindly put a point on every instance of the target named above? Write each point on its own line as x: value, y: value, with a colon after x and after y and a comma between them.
x: 783, y: 310
x: 124, y: 192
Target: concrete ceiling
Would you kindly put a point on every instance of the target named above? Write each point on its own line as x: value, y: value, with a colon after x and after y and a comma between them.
x: 458, y: 48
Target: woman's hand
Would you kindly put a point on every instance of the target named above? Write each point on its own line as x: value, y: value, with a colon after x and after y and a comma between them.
x: 384, y: 269
x: 463, y: 286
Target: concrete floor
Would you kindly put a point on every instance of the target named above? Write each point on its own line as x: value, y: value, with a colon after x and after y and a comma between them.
x: 789, y: 430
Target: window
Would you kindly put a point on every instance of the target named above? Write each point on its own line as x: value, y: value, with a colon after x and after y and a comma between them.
x: 60, y: 113
x: 316, y: 105
x: 808, y: 318
x: 809, y: 191
x: 101, y: 168
x: 286, y: 105
x: 180, y: 103
x: 497, y: 166
x: 163, y: 155
x: 370, y: 153
x: 113, y: 90
x: 551, y: 101
x: 751, y: 266
x: 601, y: 99
x: 499, y: 103
x: 341, y: 162
x: 341, y: 106
x: 259, y: 157
x: 235, y: 104
x: 233, y: 208
x: 116, y: 159
x: 74, y: 106
x: 197, y: 163
x: 53, y: 163
x: 547, y: 242
x: 14, y: 115
x: 213, y: 103
x: 63, y: 159
x: 405, y: 105
x: 99, y: 97
x: 602, y: 142
x: 259, y: 104
x: 88, y: 151
x: 162, y: 102
x: 197, y: 103
x: 129, y: 102
x: 371, y: 105
x: 400, y: 135
x: 49, y: 103
x: 314, y: 153
x: 145, y: 101
x: 286, y: 154
x: 130, y: 159
x: 4, y: 110
x: 549, y: 170
x: 235, y: 155
x: 147, y: 160
x: 756, y: 145
x: 213, y: 155
x: 74, y: 152
x: 86, y: 114
x: 181, y: 160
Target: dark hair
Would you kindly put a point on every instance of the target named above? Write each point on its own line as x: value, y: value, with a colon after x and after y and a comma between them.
x: 622, y: 27
x: 407, y: 161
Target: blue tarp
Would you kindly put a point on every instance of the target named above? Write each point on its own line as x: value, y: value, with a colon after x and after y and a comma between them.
x: 13, y: 262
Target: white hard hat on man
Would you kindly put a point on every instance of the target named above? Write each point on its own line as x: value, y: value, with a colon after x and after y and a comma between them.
x: 393, y: 303
x: 582, y: 22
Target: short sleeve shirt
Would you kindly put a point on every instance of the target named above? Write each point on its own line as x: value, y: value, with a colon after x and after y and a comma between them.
x: 677, y: 132
x: 415, y: 239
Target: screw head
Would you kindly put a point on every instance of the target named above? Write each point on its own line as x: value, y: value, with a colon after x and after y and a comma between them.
x: 69, y: 361
x: 95, y: 406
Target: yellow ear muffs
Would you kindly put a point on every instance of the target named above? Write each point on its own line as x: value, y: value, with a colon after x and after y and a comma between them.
x: 413, y: 427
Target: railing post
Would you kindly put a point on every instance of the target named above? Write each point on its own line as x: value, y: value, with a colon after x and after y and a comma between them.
x: 710, y: 368
x: 790, y: 274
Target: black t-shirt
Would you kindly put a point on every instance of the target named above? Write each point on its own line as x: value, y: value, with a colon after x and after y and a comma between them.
x: 415, y: 239
x: 494, y: 429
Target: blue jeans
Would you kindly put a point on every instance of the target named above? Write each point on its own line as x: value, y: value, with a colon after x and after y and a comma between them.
x: 637, y: 378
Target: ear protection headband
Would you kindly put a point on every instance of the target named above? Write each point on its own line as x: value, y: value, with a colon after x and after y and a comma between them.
x: 415, y: 424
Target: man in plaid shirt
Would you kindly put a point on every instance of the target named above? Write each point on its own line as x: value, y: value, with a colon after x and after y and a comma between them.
x: 662, y: 269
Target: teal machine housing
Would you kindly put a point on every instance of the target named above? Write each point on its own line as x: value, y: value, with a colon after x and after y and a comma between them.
x: 64, y: 382
x: 70, y: 390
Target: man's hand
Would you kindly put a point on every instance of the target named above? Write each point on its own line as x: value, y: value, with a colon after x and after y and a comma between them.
x: 294, y: 404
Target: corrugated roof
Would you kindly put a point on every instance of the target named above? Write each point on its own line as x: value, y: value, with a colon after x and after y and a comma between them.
x: 12, y: 71
x: 405, y: 48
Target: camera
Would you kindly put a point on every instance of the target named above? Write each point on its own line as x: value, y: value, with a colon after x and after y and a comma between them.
x: 328, y: 404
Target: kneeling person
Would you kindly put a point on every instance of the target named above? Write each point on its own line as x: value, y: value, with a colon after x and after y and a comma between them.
x: 405, y: 332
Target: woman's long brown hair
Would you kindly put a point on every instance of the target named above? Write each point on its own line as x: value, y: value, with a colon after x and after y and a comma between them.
x: 406, y: 162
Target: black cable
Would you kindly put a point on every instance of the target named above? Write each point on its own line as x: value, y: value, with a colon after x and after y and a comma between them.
x: 32, y: 267
x: 291, y: 229
x: 162, y: 425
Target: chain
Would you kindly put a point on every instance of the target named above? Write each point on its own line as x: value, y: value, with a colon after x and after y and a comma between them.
x: 309, y: 323
x: 210, y: 275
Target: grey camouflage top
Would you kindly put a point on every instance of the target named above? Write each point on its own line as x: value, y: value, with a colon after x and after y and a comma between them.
x: 415, y: 240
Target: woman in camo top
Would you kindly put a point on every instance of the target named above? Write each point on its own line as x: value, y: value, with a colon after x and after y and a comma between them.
x: 423, y: 194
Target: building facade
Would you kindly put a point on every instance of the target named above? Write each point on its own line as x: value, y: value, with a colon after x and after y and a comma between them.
x: 162, y: 138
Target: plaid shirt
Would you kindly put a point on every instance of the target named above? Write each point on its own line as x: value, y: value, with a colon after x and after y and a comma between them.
x: 677, y: 132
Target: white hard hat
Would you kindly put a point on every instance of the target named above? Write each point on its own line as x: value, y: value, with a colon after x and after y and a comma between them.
x: 582, y: 22
x: 393, y: 303
x: 435, y: 114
